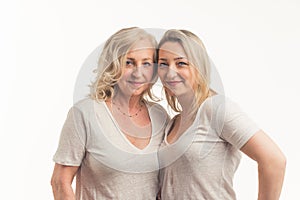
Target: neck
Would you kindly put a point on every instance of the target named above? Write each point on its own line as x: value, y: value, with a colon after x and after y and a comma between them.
x: 125, y: 101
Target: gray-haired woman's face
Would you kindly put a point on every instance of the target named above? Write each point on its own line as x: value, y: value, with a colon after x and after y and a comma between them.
x: 137, y: 73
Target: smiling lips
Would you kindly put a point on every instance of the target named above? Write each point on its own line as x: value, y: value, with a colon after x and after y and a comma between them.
x: 173, y: 83
x: 136, y: 83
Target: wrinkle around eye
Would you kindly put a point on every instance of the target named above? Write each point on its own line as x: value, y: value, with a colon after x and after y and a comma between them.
x: 148, y: 64
x: 162, y: 65
x: 129, y: 63
x: 182, y: 64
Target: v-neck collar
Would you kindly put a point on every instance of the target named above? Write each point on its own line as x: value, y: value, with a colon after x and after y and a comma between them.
x: 121, y: 132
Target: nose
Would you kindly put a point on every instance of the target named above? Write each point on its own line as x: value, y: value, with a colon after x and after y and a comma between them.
x: 172, y: 72
x: 137, y: 71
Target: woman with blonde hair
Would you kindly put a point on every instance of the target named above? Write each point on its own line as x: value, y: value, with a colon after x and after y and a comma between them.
x: 201, y: 148
x: 109, y: 141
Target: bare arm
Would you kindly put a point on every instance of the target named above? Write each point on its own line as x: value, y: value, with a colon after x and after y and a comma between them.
x: 61, y: 182
x: 271, y: 165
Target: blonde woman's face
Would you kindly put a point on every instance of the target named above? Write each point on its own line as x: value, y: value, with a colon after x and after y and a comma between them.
x: 137, y: 72
x: 174, y: 69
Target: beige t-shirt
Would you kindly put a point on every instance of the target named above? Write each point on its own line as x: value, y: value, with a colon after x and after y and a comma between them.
x: 202, y: 162
x: 110, y: 166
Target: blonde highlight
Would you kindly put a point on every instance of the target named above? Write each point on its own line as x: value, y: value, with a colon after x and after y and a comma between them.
x: 111, y: 60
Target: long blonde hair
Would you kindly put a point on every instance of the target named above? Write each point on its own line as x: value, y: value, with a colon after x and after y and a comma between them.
x: 111, y: 60
x: 198, y: 59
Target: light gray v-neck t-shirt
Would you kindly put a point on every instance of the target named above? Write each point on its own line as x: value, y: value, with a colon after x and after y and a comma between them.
x: 202, y: 162
x: 110, y: 166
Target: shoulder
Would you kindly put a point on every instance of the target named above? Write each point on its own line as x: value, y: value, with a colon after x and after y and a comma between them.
x: 211, y: 106
x: 88, y: 104
x: 219, y: 103
x: 87, y: 107
x: 227, y: 107
x: 217, y: 110
x: 84, y: 104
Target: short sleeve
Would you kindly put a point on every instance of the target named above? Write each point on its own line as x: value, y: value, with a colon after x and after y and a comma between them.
x: 238, y: 128
x: 71, y: 147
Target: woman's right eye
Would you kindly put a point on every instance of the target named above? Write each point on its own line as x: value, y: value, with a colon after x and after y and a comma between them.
x: 129, y: 63
x: 162, y: 65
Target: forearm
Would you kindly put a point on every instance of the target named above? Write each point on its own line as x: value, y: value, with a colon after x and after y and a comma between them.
x: 61, y: 182
x: 271, y: 165
x: 271, y: 177
x: 63, y: 191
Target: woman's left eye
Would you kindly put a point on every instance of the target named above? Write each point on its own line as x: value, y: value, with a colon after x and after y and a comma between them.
x: 147, y: 64
x: 162, y: 65
x: 182, y: 64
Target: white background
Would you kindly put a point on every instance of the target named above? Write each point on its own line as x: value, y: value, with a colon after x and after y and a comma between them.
x: 254, y: 44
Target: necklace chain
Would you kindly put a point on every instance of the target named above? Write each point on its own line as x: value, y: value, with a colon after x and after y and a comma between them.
x: 133, y: 115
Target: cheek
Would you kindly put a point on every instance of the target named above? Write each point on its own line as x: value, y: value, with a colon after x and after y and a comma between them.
x: 188, y: 75
x: 126, y: 73
x: 149, y: 73
x: 193, y: 80
x: 161, y: 73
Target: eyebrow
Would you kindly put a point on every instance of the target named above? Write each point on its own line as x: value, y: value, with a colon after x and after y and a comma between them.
x: 163, y: 59
x: 178, y: 58
x: 133, y: 59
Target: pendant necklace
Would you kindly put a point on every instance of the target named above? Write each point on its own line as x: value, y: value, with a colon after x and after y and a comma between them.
x: 133, y: 115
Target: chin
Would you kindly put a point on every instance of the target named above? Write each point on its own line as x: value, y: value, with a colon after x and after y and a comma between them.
x: 138, y: 92
x: 176, y: 92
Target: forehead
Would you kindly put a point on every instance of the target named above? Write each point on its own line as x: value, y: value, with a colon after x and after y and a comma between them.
x: 142, y: 44
x: 172, y: 48
x: 140, y: 48
x: 141, y: 53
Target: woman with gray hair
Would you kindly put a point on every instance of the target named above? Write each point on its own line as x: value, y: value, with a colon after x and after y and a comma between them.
x: 201, y: 148
x: 110, y: 140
